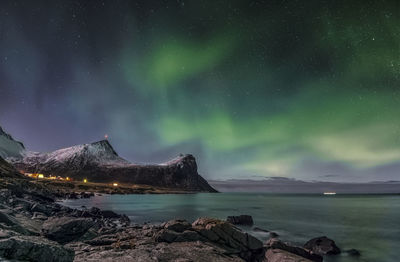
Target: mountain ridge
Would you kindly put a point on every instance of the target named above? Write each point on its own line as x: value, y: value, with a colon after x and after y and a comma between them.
x: 99, y: 162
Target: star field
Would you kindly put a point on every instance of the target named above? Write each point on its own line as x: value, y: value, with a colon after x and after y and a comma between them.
x: 300, y: 89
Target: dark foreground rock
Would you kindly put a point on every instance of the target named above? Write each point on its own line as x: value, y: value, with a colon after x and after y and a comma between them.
x: 279, y: 255
x: 322, y: 246
x: 276, y: 244
x: 66, y: 229
x: 31, y: 248
x: 226, y: 236
x: 353, y: 252
x: 240, y: 220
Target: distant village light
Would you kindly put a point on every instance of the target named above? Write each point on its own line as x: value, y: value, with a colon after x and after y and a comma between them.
x: 67, y: 178
x: 115, y: 184
x: 85, y: 180
x: 40, y: 176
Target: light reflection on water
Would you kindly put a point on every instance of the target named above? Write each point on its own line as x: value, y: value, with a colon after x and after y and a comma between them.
x: 369, y: 223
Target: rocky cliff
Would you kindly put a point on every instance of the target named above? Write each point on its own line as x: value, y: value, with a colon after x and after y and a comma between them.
x: 10, y: 148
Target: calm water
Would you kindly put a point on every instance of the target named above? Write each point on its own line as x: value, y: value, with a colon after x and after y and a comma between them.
x: 369, y: 223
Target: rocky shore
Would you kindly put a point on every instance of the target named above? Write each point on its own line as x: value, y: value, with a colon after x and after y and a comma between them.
x: 34, y: 227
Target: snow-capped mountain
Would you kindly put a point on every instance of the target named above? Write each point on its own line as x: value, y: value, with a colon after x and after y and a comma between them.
x: 98, y: 162
x: 77, y: 157
x: 10, y: 148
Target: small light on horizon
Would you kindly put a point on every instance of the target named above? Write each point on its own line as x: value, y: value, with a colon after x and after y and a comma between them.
x: 106, y: 136
x: 85, y: 180
x: 115, y: 184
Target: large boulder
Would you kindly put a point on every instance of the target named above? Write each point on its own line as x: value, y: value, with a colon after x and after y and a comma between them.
x: 279, y: 255
x: 276, y: 244
x: 230, y: 237
x: 177, y: 225
x: 31, y: 248
x: 240, y: 220
x: 322, y: 246
x: 66, y: 229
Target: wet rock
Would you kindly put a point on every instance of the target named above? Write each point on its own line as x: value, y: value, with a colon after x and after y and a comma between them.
x: 66, y: 229
x: 150, y: 251
x: 40, y: 208
x: 273, y: 235
x: 322, y: 246
x: 299, y: 251
x: 109, y: 214
x: 240, y: 220
x: 30, y: 248
x: 177, y: 225
x: 353, y: 252
x: 166, y: 235
x: 230, y: 237
x: 257, y: 229
x: 72, y: 195
x: 39, y: 216
x: 188, y: 236
x: 279, y: 255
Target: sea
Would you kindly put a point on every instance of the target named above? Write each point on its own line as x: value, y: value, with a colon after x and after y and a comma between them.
x: 368, y: 223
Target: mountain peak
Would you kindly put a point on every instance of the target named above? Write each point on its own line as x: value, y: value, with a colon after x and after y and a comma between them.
x: 103, y: 145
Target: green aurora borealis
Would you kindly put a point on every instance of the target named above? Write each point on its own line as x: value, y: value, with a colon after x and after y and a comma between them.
x: 300, y: 89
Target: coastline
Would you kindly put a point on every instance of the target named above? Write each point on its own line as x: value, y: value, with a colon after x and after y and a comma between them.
x: 34, y: 224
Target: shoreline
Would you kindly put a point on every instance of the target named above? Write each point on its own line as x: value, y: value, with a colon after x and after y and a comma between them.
x: 33, y: 223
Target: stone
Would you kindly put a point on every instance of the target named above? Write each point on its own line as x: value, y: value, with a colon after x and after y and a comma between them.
x: 353, y: 252
x: 257, y: 229
x: 278, y: 255
x: 109, y: 214
x: 166, y: 235
x: 177, y: 225
x: 31, y: 248
x: 322, y: 246
x: 273, y: 235
x: 230, y: 237
x: 188, y: 236
x: 66, y: 229
x: 299, y: 251
x: 240, y: 220
x: 39, y: 216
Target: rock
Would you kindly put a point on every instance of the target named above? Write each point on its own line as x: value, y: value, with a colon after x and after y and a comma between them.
x: 109, y: 214
x: 230, y: 237
x: 278, y: 255
x: 322, y: 246
x: 40, y: 208
x: 188, y: 236
x: 353, y: 252
x: 177, y: 225
x: 257, y: 229
x: 166, y: 235
x: 66, y: 229
x: 72, y: 195
x: 240, y: 220
x: 34, y: 249
x: 273, y: 235
x: 299, y: 251
x: 39, y: 216
x: 150, y: 251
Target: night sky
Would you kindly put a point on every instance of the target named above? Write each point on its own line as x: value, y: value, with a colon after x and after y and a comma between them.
x: 301, y: 89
